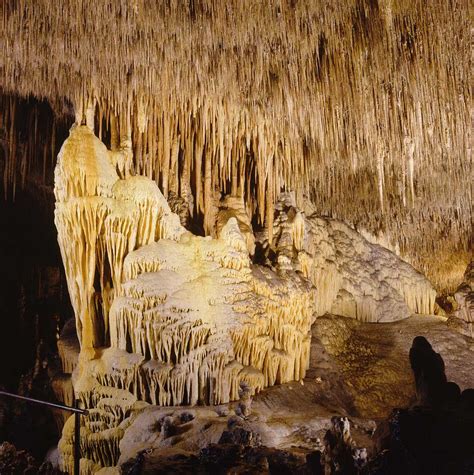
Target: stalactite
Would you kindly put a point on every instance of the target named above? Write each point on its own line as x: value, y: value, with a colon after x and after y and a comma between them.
x: 325, y: 94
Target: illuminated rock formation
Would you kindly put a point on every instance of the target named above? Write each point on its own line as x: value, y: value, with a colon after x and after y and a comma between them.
x: 354, y: 277
x: 171, y: 318
x: 231, y: 170
x: 186, y: 319
x: 100, y: 219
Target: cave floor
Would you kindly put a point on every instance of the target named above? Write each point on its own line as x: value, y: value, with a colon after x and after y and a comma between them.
x: 358, y: 370
x: 362, y: 369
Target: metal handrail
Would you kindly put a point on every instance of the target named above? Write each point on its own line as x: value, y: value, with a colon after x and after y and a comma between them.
x: 78, y: 412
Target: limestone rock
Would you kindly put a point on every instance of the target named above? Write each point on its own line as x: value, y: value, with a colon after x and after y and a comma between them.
x: 245, y: 401
x: 234, y: 207
x: 162, y: 315
x: 16, y: 461
x: 240, y: 433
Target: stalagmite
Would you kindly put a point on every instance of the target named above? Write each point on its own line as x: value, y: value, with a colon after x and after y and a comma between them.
x: 233, y: 206
x: 111, y: 216
x: 188, y: 318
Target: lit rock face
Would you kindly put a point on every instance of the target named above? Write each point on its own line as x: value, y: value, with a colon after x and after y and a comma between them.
x: 192, y: 307
x: 354, y: 277
x: 203, y: 320
x: 100, y: 219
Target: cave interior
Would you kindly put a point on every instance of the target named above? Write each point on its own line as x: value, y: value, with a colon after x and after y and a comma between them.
x: 227, y: 229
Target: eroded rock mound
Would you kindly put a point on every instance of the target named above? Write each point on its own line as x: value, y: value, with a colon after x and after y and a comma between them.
x: 463, y: 317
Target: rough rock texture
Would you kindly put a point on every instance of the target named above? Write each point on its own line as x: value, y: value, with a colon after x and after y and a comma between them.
x: 101, y: 218
x: 429, y: 372
x: 463, y: 317
x: 200, y: 441
x: 170, y: 318
x: 435, y: 435
x: 422, y: 440
x: 226, y: 459
x: 13, y: 461
x: 362, y: 369
x: 357, y: 370
x: 340, y: 454
x: 20, y: 462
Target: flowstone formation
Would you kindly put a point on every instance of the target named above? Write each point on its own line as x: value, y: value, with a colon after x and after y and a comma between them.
x: 100, y: 219
x: 170, y: 318
x: 354, y: 277
x: 162, y: 315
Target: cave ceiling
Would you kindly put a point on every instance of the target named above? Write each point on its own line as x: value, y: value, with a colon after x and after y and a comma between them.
x: 360, y: 106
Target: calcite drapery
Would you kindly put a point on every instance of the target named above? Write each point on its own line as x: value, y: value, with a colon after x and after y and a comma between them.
x: 193, y: 308
x: 171, y: 318
x: 188, y: 318
x: 100, y: 219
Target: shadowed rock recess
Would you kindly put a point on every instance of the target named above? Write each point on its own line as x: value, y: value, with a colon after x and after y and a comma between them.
x: 239, y: 233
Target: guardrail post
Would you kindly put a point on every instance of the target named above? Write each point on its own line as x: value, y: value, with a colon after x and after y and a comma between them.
x: 77, y: 440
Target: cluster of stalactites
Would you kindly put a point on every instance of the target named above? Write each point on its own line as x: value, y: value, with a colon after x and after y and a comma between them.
x: 361, y: 103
